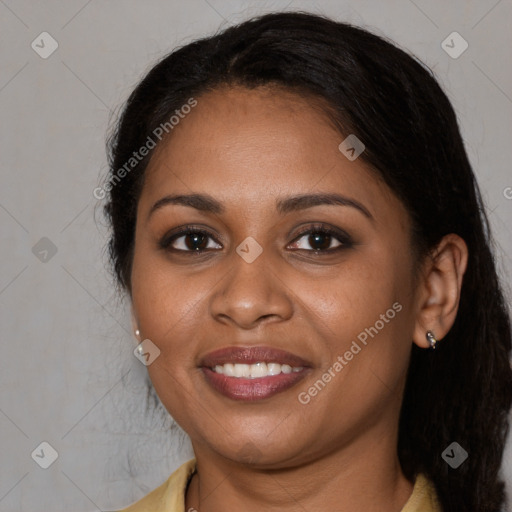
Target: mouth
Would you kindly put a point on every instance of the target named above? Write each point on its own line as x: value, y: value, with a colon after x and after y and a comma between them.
x: 252, y: 373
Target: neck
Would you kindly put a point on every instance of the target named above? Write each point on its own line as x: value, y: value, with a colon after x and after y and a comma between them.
x: 364, y: 476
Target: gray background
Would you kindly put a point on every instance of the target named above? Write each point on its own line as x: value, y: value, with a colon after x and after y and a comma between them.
x: 67, y: 372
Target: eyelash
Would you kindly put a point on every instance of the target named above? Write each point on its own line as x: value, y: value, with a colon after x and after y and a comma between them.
x: 341, y: 236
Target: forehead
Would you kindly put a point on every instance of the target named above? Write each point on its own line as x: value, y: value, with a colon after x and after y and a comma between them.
x: 256, y: 143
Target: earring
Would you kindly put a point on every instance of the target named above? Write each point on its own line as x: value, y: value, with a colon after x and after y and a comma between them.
x: 137, y: 333
x: 431, y: 339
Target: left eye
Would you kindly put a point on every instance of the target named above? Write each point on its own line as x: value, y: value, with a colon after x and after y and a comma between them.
x: 323, y: 239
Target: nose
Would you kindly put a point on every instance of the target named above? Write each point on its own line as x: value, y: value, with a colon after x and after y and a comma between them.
x: 250, y: 294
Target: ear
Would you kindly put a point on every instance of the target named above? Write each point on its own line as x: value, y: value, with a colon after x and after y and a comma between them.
x: 135, y: 323
x: 439, y: 289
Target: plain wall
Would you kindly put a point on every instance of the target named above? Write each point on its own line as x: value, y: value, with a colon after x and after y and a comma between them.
x: 67, y: 372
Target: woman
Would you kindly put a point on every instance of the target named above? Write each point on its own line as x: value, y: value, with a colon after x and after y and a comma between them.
x: 299, y: 230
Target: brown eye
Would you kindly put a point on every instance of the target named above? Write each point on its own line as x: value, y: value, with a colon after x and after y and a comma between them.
x: 188, y: 240
x: 322, y: 239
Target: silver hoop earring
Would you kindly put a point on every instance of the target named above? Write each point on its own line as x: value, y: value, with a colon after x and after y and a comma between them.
x: 431, y: 339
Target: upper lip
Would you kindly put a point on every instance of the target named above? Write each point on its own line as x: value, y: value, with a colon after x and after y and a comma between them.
x: 251, y: 355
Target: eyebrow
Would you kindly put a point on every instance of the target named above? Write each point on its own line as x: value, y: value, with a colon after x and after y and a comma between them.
x: 206, y: 203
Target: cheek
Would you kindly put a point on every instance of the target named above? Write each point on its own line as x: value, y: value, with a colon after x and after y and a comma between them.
x: 367, y: 316
x: 359, y: 292
x: 167, y: 305
x: 162, y: 294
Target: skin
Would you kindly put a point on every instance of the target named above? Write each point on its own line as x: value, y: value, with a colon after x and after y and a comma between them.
x: 247, y: 148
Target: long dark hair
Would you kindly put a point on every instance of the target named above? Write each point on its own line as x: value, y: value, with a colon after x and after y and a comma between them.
x: 460, y: 392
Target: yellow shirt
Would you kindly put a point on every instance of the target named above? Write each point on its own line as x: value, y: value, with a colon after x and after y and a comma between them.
x: 170, y: 496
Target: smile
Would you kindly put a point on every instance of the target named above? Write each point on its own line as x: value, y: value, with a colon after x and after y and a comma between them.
x: 252, y: 373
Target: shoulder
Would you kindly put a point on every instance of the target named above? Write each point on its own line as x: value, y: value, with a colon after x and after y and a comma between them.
x: 424, y: 496
x: 168, y: 497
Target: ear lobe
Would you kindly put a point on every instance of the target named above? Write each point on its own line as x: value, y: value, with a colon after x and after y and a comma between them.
x: 441, y: 285
x: 135, y: 323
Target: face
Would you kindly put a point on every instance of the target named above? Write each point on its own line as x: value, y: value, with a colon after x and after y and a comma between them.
x: 327, y: 283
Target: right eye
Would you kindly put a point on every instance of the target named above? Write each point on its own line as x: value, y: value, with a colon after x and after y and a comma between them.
x: 194, y: 240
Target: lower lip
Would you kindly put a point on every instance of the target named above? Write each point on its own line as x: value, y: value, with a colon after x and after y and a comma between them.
x: 239, y: 388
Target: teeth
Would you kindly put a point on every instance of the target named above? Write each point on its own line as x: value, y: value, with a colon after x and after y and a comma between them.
x: 285, y: 368
x: 242, y: 370
x: 253, y: 371
x: 229, y: 370
x: 274, y: 368
x: 257, y: 370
